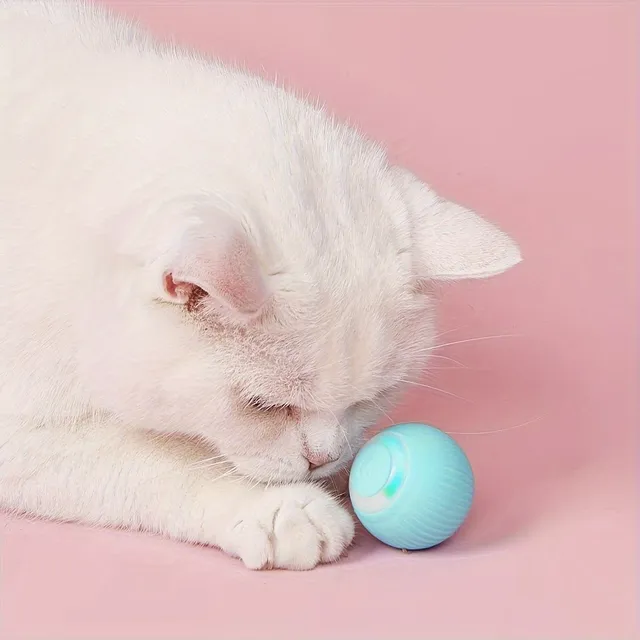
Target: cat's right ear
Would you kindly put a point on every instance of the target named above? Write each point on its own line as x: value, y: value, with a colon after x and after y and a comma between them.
x: 452, y: 242
x: 213, y: 254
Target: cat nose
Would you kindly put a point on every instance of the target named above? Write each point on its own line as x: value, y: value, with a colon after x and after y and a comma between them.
x: 317, y: 460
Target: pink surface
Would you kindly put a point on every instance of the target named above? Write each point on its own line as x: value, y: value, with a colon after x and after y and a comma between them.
x: 524, y: 111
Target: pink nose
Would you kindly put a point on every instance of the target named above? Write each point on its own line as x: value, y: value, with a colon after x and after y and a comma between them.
x: 317, y: 460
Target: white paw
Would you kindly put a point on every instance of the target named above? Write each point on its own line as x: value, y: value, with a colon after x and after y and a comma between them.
x: 291, y: 527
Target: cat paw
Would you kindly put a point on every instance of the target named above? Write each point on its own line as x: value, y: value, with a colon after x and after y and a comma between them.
x: 291, y: 527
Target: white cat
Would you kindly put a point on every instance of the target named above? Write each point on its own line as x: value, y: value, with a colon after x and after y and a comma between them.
x: 208, y: 290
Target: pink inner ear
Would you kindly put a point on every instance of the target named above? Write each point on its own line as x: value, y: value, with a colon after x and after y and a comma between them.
x: 179, y: 291
x: 220, y: 260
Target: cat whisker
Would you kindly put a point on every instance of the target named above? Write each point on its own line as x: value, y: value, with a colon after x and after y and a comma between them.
x: 375, y: 404
x: 345, y: 436
x: 441, y: 357
x: 444, y: 333
x: 208, y: 466
x: 225, y: 475
x: 255, y: 482
x: 478, y: 339
x: 446, y: 368
x: 428, y: 386
x: 209, y: 462
x: 505, y: 429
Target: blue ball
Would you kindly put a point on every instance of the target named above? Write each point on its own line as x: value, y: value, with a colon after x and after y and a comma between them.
x: 411, y: 486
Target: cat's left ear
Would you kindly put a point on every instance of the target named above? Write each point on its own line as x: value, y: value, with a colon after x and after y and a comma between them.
x: 213, y: 252
x: 451, y: 242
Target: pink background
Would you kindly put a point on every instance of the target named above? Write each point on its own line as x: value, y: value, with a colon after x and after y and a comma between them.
x: 525, y: 111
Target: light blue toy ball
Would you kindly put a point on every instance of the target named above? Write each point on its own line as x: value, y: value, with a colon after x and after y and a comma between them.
x: 411, y: 486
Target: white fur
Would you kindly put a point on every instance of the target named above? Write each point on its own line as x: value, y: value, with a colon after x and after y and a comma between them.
x: 136, y: 179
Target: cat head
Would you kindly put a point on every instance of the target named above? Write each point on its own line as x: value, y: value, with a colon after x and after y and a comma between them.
x: 278, y: 324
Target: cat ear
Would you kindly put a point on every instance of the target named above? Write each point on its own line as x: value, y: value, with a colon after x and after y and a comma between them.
x: 451, y: 242
x: 215, y: 254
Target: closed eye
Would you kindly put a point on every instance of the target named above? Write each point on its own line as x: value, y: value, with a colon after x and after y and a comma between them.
x: 263, y: 405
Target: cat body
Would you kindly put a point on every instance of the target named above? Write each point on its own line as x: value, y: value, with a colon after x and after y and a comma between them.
x: 210, y: 288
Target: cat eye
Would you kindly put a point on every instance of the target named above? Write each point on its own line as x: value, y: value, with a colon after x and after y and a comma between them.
x: 263, y: 405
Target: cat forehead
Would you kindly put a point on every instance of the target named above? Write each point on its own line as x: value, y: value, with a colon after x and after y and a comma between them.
x: 345, y: 234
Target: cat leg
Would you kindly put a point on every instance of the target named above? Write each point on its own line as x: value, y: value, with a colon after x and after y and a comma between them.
x: 106, y: 475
